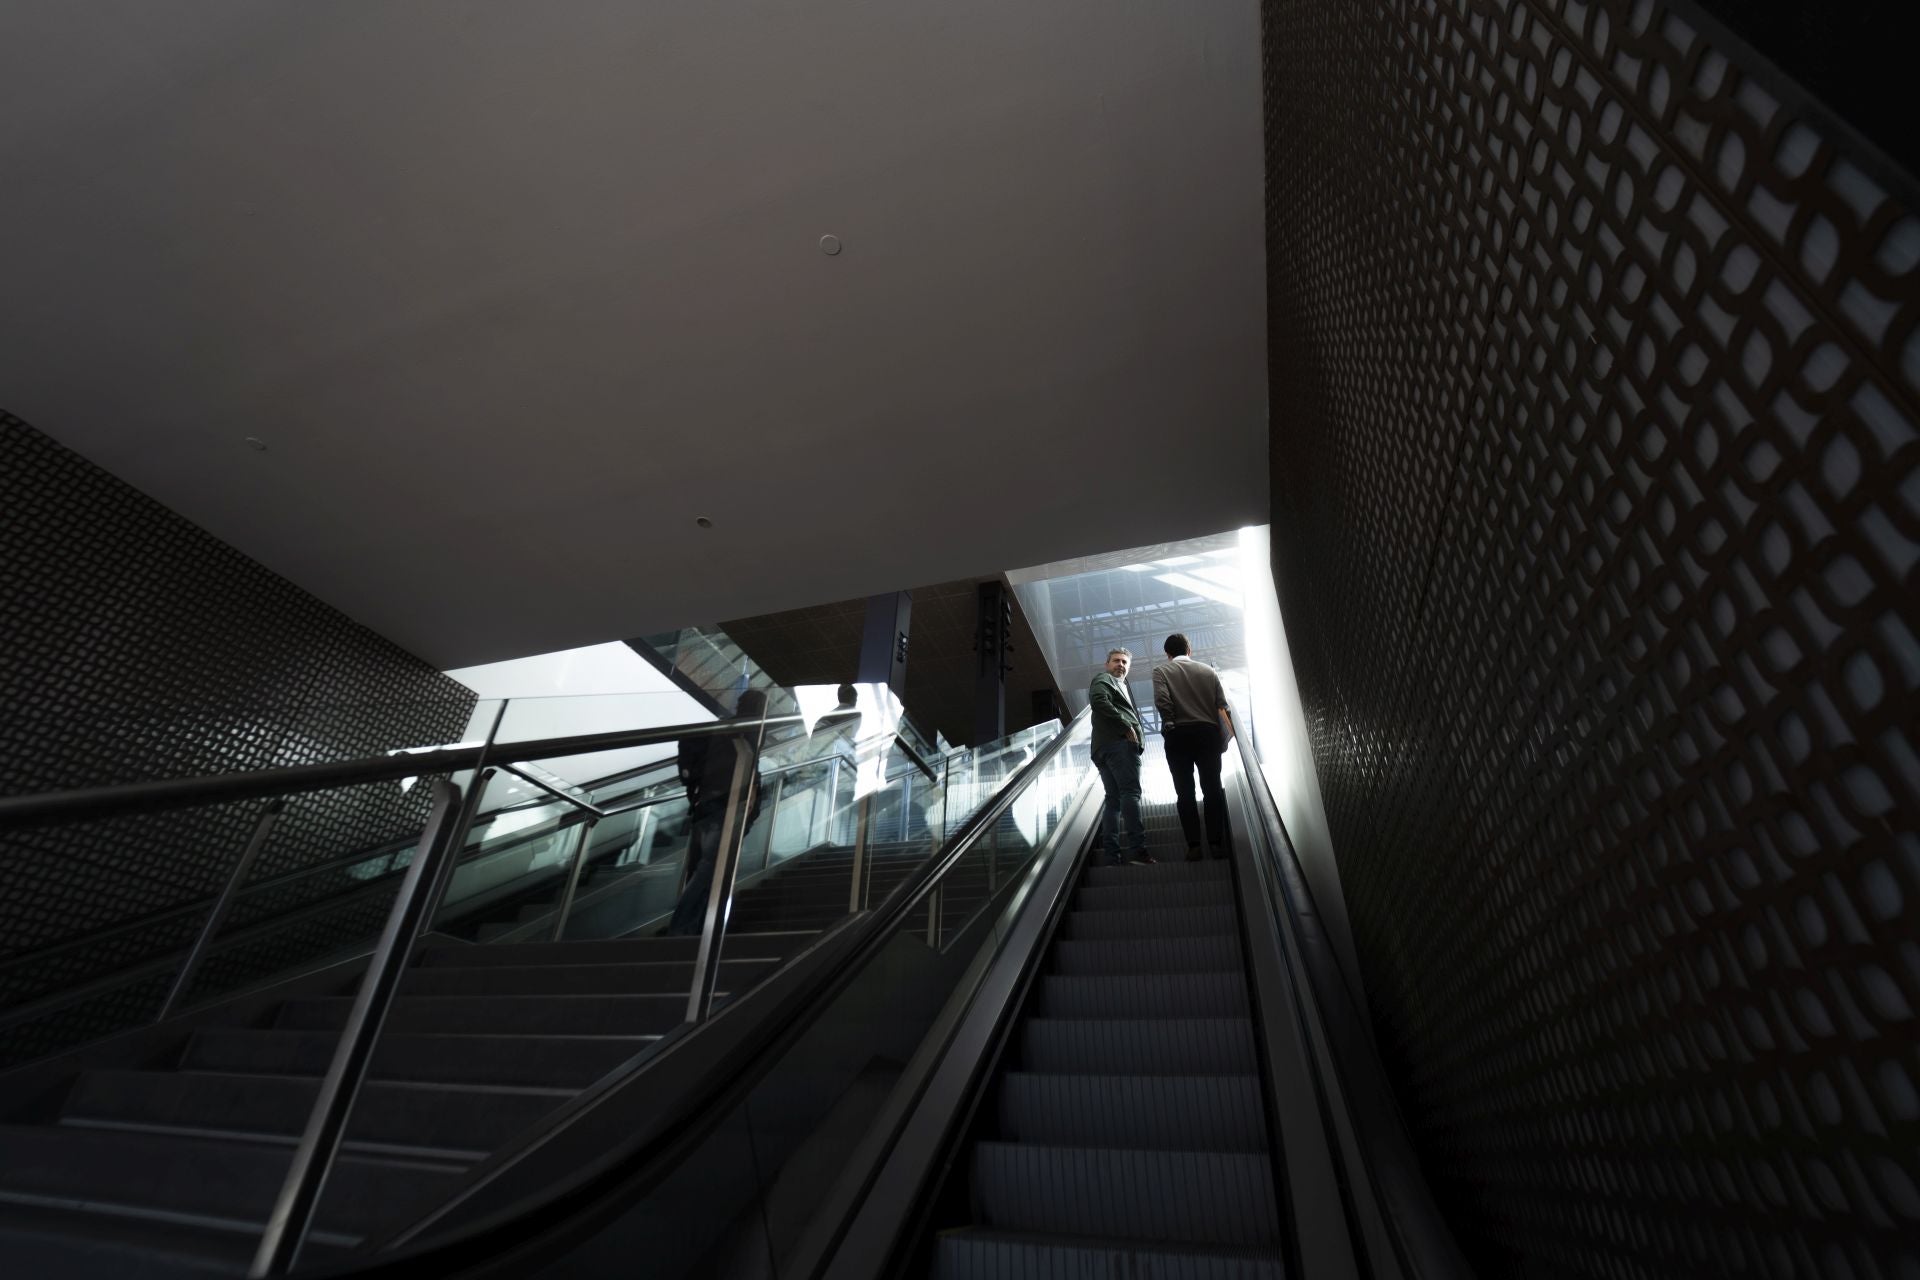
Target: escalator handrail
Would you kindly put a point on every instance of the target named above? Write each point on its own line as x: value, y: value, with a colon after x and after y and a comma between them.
x: 38, y: 1006
x: 644, y: 1159
x: 615, y: 810
x: 198, y: 906
x: 87, y: 804
x: 1423, y: 1243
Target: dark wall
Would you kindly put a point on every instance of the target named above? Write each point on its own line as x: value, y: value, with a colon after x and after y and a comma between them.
x: 820, y: 644
x: 1854, y: 59
x: 137, y: 646
x: 1596, y: 521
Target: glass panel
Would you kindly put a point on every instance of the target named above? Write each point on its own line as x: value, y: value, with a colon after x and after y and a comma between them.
x: 762, y: 1177
x: 307, y: 896
x: 519, y: 867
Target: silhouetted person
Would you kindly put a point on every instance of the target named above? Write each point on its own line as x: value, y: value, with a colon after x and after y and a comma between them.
x: 1192, y: 704
x: 706, y: 769
x: 835, y: 737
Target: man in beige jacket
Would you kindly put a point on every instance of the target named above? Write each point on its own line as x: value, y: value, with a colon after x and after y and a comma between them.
x: 1192, y: 705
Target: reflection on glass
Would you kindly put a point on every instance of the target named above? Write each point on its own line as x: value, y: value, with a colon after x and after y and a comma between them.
x: 763, y: 1178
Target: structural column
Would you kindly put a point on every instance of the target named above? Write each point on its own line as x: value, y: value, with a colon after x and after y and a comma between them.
x: 883, y: 645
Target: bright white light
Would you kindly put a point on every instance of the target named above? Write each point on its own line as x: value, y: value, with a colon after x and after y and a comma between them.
x: 516, y: 820
x: 1260, y: 615
x: 815, y: 701
x: 601, y: 668
x: 1227, y: 576
x: 1174, y: 560
x: 406, y: 784
x: 1212, y: 591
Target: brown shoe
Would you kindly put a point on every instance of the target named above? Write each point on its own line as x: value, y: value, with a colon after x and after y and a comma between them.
x: 1145, y: 859
x: 1193, y: 854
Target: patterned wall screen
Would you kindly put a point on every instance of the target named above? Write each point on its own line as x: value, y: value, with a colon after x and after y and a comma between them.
x: 138, y: 646
x: 1595, y: 378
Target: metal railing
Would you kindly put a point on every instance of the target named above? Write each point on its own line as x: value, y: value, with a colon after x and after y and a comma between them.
x: 548, y: 1214
x: 595, y: 813
x: 427, y: 877
x: 1392, y: 1217
x: 29, y: 811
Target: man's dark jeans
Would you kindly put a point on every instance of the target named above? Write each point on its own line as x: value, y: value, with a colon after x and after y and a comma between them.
x: 1122, y: 833
x: 1195, y: 748
x: 703, y: 850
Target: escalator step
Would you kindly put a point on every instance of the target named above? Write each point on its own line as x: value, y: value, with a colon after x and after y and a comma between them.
x: 471, y: 1121
x: 557, y: 1015
x: 741, y: 944
x: 1158, y: 895
x: 1217, y: 953
x: 1166, y: 923
x: 1138, y: 1046
x: 1205, y: 1197
x: 213, y: 1182
x: 1143, y: 995
x: 549, y: 1061
x: 657, y: 977
x: 1173, y: 869
x: 974, y: 1254
x: 1161, y: 1113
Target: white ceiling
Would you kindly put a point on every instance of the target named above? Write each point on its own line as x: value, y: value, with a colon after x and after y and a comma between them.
x: 515, y: 291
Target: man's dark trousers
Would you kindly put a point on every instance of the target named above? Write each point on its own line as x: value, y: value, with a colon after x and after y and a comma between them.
x: 1191, y: 748
x: 1122, y: 834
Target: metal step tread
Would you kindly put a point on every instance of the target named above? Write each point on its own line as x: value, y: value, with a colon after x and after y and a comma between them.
x: 1137, y: 1046
x: 1175, y: 870
x: 438, y: 1058
x: 555, y: 1014
x: 1142, y: 995
x: 1161, y: 895
x: 1207, y: 1197
x: 638, y: 977
x: 743, y: 944
x: 391, y: 1115
x: 1167, y: 1113
x: 1205, y: 953
x: 979, y: 1253
x: 1150, y: 922
x: 46, y: 1237
x: 203, y: 1177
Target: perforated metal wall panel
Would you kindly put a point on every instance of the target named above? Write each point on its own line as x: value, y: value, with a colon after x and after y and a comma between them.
x: 1595, y: 378
x: 138, y: 646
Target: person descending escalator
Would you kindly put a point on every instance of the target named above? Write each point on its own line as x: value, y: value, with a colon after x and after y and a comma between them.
x: 706, y: 770
x: 833, y: 744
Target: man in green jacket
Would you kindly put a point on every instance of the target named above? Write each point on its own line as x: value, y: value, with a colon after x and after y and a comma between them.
x: 1116, y: 754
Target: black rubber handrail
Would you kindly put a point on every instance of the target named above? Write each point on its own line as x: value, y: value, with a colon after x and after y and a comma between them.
x: 533, y: 1221
x: 1422, y: 1241
x: 198, y: 907
x: 50, y: 808
x: 40, y: 1005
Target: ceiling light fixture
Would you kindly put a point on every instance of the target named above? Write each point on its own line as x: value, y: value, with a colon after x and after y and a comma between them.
x: 830, y: 245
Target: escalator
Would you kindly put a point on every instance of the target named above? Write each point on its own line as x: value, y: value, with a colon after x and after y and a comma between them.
x: 996, y: 1059
x: 544, y: 976
x: 1135, y: 1071
x: 1126, y: 1128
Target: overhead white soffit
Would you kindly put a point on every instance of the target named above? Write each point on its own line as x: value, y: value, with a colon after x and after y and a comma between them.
x: 511, y: 294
